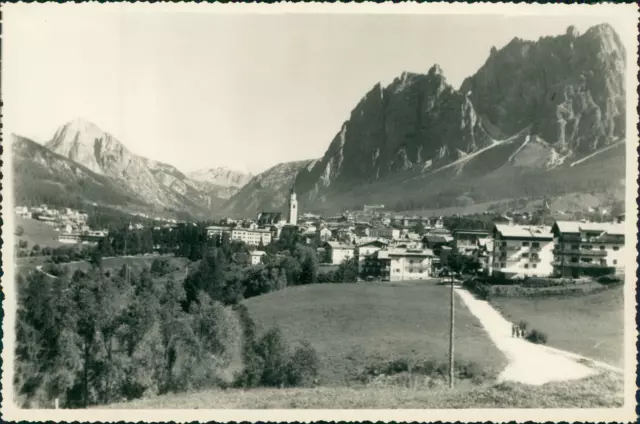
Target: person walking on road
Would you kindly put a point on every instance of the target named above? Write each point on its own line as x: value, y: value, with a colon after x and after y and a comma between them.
x: 513, y: 330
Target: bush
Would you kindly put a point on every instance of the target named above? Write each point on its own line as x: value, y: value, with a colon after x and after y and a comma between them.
x: 304, y: 366
x: 269, y: 362
x: 160, y: 266
x: 19, y: 231
x: 610, y: 279
x: 536, y: 336
x: 435, y: 370
x: 23, y: 244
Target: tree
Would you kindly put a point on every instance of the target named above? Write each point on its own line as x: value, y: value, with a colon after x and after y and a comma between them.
x: 309, y: 270
x: 95, y: 258
x: 347, y: 272
x: 418, y: 228
x: 19, y: 231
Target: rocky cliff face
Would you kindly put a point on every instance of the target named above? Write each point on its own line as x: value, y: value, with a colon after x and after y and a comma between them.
x: 566, y: 93
x: 569, y: 88
x: 267, y: 191
x: 417, y: 122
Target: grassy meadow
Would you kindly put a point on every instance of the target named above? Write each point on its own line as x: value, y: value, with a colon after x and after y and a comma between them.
x: 36, y: 232
x: 590, y: 325
x: 355, y: 325
x: 601, y: 391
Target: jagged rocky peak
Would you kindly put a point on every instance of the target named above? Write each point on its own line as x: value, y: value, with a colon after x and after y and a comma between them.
x: 435, y: 70
x: 568, y: 88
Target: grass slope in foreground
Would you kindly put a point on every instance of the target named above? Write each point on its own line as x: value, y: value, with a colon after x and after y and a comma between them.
x: 600, y: 391
x: 590, y: 325
x: 353, y: 325
x: 36, y: 232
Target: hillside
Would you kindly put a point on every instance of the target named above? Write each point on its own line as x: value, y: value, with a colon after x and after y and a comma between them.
x: 402, y: 320
x: 267, y: 191
x: 530, y: 111
x: 223, y: 181
x: 42, y: 176
x: 154, y: 183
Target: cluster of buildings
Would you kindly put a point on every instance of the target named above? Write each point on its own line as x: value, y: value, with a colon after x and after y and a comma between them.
x: 395, y: 247
x: 565, y: 249
x: 70, y: 223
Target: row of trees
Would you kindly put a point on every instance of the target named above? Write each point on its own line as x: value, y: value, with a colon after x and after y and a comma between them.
x: 96, y: 337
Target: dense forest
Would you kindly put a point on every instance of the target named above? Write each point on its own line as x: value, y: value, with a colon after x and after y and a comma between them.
x: 101, y: 336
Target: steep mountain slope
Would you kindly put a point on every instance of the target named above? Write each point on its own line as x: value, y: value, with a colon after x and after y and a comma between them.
x: 532, y: 108
x: 42, y: 176
x: 570, y: 88
x: 154, y: 183
x: 267, y: 191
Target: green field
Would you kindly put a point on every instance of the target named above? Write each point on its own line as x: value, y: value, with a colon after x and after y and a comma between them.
x: 602, y: 391
x: 36, y: 232
x: 352, y: 325
x: 590, y: 325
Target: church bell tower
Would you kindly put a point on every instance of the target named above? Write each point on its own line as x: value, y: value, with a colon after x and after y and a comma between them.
x: 293, y: 208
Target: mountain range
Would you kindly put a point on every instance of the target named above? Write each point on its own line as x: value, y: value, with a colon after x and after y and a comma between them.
x: 543, y: 117
x: 527, y: 114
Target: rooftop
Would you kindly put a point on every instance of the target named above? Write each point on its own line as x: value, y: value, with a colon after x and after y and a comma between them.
x: 338, y: 245
x: 524, y: 231
x: 577, y: 227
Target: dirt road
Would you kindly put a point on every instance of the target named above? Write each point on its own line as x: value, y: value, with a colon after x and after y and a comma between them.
x: 529, y: 363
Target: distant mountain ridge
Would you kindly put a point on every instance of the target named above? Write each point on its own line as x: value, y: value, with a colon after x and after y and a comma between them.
x: 532, y: 107
x: 267, y: 191
x: 541, y: 117
x: 104, y: 158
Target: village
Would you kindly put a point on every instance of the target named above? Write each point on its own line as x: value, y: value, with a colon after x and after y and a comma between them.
x: 391, y: 247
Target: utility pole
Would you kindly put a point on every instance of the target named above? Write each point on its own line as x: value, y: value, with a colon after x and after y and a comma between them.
x: 451, y: 333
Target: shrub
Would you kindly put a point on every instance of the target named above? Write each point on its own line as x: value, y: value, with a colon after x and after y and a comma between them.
x: 610, y: 279
x: 23, y: 244
x: 19, y: 230
x: 274, y: 351
x: 269, y: 362
x: 435, y: 370
x: 304, y: 366
x: 536, y: 336
x: 160, y: 266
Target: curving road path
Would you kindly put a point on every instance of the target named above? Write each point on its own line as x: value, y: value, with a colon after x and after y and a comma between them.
x: 529, y: 363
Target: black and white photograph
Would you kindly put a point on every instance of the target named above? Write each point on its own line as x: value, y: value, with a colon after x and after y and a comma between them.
x: 319, y: 211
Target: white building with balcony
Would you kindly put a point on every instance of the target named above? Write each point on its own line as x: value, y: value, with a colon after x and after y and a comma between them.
x: 588, y: 248
x: 522, y: 251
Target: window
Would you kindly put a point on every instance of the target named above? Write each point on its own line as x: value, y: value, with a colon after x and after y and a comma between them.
x: 536, y: 244
x: 526, y: 266
x: 525, y: 255
x: 586, y: 246
x: 574, y: 247
x: 615, y: 262
x: 525, y: 243
x: 574, y: 259
x: 602, y: 247
x: 616, y: 248
x: 534, y: 266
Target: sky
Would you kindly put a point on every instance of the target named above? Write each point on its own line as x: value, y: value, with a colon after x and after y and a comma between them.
x: 246, y: 91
